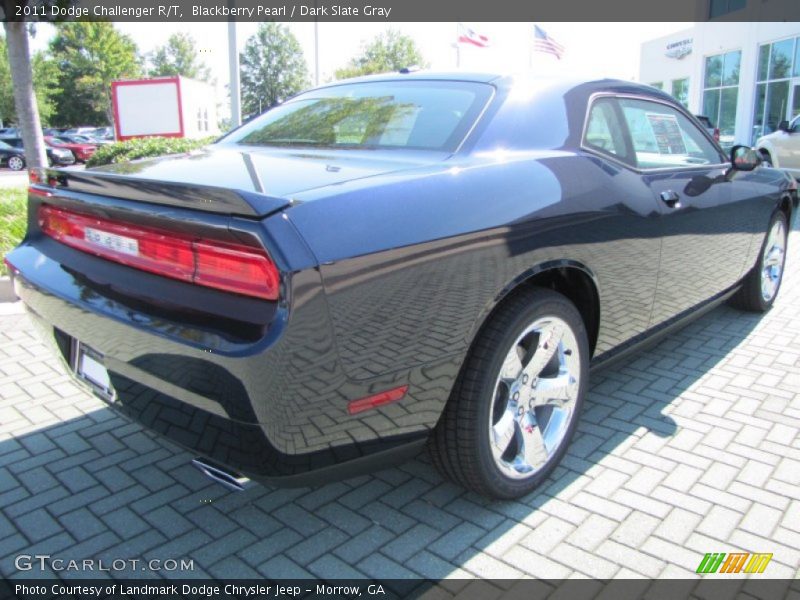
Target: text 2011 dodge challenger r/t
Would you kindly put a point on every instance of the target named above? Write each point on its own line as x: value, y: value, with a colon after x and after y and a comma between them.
x: 397, y: 260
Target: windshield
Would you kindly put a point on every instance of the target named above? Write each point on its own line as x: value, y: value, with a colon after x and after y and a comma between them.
x: 427, y: 115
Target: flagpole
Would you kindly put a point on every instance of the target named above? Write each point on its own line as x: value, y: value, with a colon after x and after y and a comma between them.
x: 530, y: 49
x: 316, y: 49
x: 458, y: 49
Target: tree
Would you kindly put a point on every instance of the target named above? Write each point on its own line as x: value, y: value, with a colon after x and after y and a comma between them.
x: 389, y: 51
x: 90, y: 56
x: 179, y: 57
x: 19, y: 60
x: 45, y: 85
x: 8, y: 112
x: 272, y: 68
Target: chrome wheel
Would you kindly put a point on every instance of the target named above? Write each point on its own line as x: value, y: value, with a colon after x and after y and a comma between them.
x: 15, y: 163
x: 535, y: 397
x: 772, y: 261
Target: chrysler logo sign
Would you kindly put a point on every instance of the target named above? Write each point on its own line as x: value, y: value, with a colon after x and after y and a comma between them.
x: 679, y: 49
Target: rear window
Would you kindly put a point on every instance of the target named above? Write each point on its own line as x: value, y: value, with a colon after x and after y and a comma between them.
x: 425, y: 115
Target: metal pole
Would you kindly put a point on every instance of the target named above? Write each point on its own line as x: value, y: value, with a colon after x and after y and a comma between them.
x: 458, y: 48
x: 316, y: 51
x: 233, y: 67
x: 530, y: 51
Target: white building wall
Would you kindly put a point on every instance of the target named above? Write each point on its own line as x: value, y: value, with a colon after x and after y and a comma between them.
x: 198, y: 96
x: 709, y: 39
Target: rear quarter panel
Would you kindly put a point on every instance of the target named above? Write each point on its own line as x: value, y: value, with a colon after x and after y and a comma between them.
x: 412, y: 266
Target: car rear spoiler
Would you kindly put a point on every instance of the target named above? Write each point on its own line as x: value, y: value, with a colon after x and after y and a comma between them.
x: 184, y: 195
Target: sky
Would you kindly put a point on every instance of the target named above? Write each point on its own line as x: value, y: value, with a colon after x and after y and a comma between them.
x: 594, y: 49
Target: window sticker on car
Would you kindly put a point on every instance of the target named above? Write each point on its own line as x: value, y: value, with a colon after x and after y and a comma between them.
x: 668, y: 135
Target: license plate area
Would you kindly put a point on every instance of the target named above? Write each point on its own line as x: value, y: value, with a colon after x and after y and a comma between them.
x: 88, y: 366
x: 112, y: 241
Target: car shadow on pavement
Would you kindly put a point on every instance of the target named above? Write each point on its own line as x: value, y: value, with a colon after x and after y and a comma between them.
x: 98, y: 487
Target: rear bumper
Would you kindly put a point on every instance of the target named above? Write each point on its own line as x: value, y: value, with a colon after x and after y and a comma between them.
x: 272, y: 407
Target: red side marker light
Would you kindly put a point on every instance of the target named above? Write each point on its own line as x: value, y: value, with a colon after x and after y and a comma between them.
x: 376, y: 400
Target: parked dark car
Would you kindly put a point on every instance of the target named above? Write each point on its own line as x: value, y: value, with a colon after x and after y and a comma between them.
x: 55, y: 155
x: 11, y: 157
x: 394, y: 261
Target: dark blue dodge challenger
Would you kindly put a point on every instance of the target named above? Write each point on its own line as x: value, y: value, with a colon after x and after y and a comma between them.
x: 395, y: 261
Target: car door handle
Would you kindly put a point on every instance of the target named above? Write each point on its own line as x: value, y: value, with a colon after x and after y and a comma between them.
x: 670, y: 198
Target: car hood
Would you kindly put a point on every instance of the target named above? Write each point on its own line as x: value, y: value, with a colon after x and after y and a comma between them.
x: 241, y: 180
x: 768, y: 137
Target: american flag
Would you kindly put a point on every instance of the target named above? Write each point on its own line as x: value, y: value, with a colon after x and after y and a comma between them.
x: 544, y: 43
x: 470, y: 36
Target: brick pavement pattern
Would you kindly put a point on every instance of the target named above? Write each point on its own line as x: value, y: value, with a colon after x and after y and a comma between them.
x: 688, y: 448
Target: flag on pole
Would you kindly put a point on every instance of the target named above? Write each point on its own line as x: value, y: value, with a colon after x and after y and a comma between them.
x: 470, y: 36
x: 544, y: 43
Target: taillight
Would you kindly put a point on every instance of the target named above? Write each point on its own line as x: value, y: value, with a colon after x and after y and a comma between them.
x: 40, y: 177
x: 210, y: 263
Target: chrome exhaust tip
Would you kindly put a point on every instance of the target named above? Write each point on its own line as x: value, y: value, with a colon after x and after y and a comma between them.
x: 229, y: 479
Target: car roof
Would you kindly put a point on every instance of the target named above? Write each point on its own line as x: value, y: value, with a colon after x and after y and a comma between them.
x: 556, y: 84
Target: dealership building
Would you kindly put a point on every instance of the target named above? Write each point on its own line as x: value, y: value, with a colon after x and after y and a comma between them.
x: 744, y: 76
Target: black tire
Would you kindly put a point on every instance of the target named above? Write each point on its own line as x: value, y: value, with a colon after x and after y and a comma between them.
x: 766, y: 158
x: 460, y: 444
x: 750, y: 297
x: 16, y: 163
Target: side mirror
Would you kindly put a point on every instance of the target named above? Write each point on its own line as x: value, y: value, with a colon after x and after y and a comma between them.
x: 744, y: 158
x: 784, y: 126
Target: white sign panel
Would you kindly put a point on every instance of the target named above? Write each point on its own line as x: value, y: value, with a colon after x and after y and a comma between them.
x: 148, y: 109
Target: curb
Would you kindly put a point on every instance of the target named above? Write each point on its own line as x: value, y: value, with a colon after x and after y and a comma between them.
x: 7, y: 290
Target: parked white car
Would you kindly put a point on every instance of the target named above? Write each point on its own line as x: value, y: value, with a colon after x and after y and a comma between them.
x: 781, y: 148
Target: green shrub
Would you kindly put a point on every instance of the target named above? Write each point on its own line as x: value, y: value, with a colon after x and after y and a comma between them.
x: 13, y: 220
x: 119, y: 152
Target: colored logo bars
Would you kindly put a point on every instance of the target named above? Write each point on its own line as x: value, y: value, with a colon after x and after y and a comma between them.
x: 716, y: 562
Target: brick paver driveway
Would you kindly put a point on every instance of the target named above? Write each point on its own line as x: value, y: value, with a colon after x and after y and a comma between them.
x: 692, y: 447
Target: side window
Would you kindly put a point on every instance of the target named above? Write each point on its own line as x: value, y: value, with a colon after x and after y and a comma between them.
x: 663, y: 137
x: 604, y: 132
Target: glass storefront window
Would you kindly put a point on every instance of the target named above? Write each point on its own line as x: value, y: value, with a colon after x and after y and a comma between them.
x: 730, y: 69
x: 763, y: 62
x: 778, y: 97
x: 718, y: 8
x: 777, y: 102
x: 711, y: 105
x: 727, y: 111
x: 780, y: 59
x: 796, y: 71
x: 713, y: 71
x: 659, y: 85
x: 680, y: 91
x: 758, y: 119
x: 796, y: 101
x: 721, y: 92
